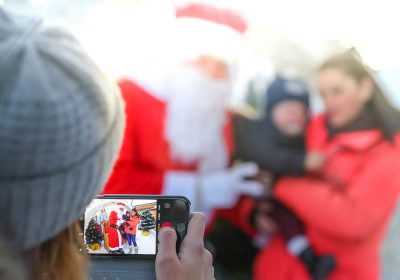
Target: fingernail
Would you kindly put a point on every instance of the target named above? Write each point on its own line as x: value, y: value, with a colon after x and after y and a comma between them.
x: 166, y: 224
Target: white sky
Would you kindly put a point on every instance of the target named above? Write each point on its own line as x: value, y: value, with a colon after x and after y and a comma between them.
x: 370, y: 25
x: 113, y: 28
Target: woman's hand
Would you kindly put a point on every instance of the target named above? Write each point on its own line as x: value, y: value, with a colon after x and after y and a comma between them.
x: 194, y: 262
x: 314, y: 162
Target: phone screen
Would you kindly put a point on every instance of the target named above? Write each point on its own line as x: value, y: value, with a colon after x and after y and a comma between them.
x: 129, y: 226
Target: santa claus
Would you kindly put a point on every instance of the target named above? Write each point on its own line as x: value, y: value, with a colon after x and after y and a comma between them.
x: 178, y: 137
x: 114, y: 232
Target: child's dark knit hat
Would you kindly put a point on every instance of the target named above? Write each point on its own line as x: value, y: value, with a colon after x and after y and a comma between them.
x: 284, y: 89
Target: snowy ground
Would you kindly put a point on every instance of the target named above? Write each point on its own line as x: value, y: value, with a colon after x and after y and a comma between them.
x: 146, y: 244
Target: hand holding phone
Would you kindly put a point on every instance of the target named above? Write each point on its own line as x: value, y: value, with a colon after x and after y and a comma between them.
x: 194, y: 261
x: 124, y: 225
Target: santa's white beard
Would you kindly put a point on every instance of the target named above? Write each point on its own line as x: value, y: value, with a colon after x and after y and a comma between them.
x: 196, y: 116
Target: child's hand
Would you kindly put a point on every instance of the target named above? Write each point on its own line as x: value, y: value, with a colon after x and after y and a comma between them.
x: 314, y: 162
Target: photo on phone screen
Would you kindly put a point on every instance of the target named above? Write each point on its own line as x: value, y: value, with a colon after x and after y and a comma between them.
x: 121, y: 226
x: 129, y: 225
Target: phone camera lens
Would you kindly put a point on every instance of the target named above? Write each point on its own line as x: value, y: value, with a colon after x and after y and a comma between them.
x: 180, y: 227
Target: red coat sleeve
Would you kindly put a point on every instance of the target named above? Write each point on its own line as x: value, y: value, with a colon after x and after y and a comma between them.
x: 350, y: 214
x: 128, y: 177
x: 237, y: 216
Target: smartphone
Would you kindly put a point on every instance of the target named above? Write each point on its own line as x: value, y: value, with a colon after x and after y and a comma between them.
x: 127, y: 225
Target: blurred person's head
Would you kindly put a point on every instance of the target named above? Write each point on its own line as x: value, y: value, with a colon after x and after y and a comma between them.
x: 134, y: 213
x: 121, y: 207
x: 201, y: 83
x: 349, y: 91
x: 288, y: 105
x: 61, y: 124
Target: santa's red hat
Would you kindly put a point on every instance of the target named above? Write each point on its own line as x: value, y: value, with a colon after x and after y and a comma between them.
x: 121, y: 204
x: 206, y: 29
x: 213, y: 14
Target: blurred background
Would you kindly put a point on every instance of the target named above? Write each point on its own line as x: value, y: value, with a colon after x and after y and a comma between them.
x: 127, y: 36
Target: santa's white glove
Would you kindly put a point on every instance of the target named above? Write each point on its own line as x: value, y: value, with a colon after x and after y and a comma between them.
x: 219, y: 189
x: 222, y: 189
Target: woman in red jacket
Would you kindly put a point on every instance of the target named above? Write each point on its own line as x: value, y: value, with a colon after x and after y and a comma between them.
x: 130, y: 230
x: 347, y: 205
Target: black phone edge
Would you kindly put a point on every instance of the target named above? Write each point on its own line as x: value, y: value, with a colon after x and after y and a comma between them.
x: 127, y: 196
x: 147, y: 196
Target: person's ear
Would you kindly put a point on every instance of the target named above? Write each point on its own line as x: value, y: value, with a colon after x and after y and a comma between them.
x: 367, y: 89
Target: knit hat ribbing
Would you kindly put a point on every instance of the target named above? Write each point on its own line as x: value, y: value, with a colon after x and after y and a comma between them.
x: 284, y: 89
x: 61, y: 124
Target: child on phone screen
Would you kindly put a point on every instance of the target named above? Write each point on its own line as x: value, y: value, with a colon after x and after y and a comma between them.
x: 132, y: 219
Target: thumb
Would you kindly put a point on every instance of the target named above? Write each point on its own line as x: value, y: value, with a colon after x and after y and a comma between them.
x: 167, y: 243
x: 167, y: 262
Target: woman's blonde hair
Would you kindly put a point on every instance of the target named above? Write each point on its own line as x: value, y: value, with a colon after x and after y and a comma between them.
x: 63, y: 257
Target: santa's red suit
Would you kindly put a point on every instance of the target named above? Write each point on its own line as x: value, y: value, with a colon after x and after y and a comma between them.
x: 178, y: 135
x: 114, y: 234
x: 145, y: 157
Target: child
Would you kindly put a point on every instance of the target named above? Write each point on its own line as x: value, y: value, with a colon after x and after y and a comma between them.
x: 130, y: 230
x: 276, y: 143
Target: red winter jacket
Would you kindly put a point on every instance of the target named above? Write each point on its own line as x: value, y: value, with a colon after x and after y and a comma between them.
x: 345, y: 212
x: 132, y: 224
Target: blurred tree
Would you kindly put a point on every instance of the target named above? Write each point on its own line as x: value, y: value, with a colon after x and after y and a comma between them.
x: 147, y: 221
x: 93, y: 233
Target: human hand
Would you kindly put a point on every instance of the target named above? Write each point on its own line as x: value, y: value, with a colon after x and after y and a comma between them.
x: 222, y: 189
x: 314, y: 161
x: 193, y: 262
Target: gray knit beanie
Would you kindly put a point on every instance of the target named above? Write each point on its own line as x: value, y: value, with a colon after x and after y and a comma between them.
x: 61, y: 125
